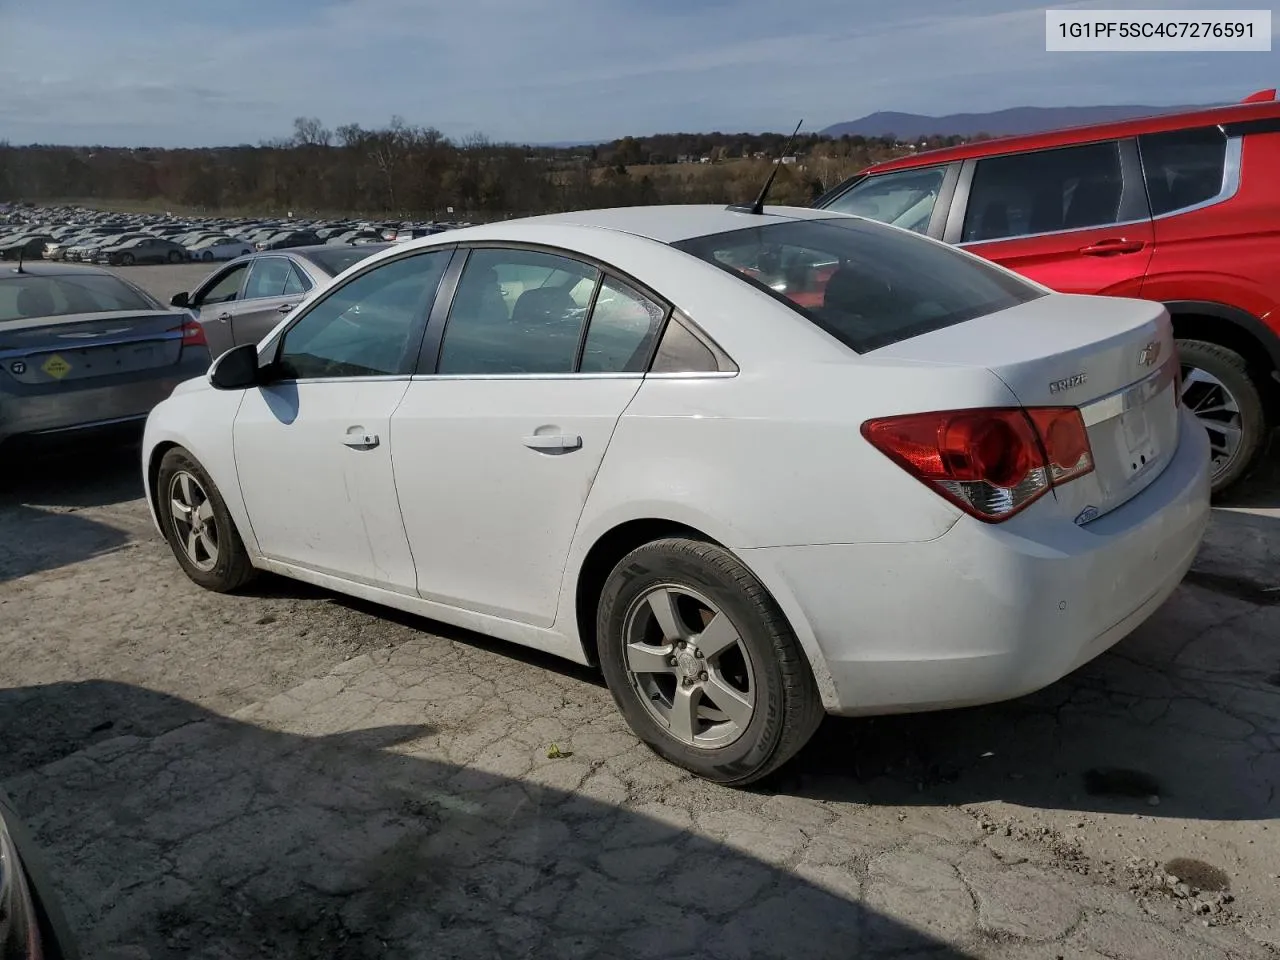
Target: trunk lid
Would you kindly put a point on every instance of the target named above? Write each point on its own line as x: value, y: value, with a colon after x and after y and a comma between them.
x: 88, y: 345
x: 1112, y: 358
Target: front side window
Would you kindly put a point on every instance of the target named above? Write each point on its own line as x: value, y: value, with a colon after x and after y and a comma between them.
x: 1028, y: 193
x: 1183, y: 167
x: 365, y: 327
x: 904, y: 198
x: 226, y: 288
x: 866, y: 285
x: 517, y: 311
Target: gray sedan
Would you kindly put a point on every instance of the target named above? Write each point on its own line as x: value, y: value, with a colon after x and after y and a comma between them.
x: 81, y: 348
x: 243, y: 301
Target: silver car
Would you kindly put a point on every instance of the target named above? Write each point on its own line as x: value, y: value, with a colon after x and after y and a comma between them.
x: 243, y: 301
x: 82, y: 348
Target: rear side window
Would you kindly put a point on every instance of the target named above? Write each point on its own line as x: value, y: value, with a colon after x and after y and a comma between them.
x: 1027, y: 193
x: 866, y: 284
x: 1183, y: 167
x: 904, y: 198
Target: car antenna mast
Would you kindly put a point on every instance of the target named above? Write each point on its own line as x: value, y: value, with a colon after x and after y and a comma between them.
x: 758, y: 206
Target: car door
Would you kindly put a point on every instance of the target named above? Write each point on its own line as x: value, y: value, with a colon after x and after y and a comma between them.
x: 275, y: 286
x: 212, y: 302
x: 1073, y: 218
x: 499, y: 438
x: 312, y: 447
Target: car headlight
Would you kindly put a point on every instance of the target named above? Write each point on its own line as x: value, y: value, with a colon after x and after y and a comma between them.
x: 19, y: 926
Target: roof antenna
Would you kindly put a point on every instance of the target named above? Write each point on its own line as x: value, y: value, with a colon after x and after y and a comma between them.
x: 758, y: 206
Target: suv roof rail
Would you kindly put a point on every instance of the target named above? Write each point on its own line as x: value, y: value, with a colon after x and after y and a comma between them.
x: 1262, y: 96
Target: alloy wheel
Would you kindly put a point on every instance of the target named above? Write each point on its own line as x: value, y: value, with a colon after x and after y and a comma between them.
x: 1216, y: 409
x: 687, y: 661
x: 192, y: 517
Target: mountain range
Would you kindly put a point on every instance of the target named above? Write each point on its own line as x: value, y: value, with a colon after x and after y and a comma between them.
x: 1011, y: 122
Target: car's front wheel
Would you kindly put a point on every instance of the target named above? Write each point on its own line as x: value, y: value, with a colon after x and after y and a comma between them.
x: 1223, y: 397
x: 207, y: 255
x: 198, y: 526
x: 703, y: 664
x: 126, y: 259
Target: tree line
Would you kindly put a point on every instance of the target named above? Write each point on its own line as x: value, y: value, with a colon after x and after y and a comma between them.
x: 402, y: 170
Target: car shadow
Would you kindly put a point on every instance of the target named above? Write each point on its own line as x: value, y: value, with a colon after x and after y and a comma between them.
x: 202, y: 836
x: 1261, y: 488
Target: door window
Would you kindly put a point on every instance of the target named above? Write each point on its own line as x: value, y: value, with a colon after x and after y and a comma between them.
x: 296, y: 284
x: 369, y: 325
x: 267, y: 278
x: 621, y: 331
x: 517, y: 311
x: 225, y: 289
x: 1028, y: 193
x: 1183, y: 167
x: 904, y: 198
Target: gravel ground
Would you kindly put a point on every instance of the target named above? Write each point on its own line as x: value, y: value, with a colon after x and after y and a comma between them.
x: 287, y: 773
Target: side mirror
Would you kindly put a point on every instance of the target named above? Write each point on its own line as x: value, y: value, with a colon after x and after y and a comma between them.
x: 237, y: 369
x: 182, y: 299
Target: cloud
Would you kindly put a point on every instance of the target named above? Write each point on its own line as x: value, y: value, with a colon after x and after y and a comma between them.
x: 165, y: 73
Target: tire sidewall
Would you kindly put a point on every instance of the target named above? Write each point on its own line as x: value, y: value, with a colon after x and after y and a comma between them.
x: 178, y: 460
x: 659, y: 563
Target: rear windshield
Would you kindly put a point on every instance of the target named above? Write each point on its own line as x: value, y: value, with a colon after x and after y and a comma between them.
x: 334, y: 261
x: 866, y: 284
x: 31, y: 296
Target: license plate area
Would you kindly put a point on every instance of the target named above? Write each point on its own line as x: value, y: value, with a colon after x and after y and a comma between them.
x: 1138, y: 443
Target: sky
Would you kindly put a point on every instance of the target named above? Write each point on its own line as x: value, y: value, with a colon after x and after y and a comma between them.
x: 190, y: 73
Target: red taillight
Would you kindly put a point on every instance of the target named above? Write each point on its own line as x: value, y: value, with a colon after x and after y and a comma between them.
x: 192, y: 334
x: 991, y: 463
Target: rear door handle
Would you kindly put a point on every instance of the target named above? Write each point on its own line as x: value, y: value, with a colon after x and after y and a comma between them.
x: 285, y: 307
x: 1104, y: 248
x: 358, y: 439
x: 553, y: 441
x: 224, y: 316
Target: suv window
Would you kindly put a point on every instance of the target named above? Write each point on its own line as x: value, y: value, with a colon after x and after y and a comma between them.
x: 1027, y: 193
x: 364, y: 327
x: 517, y: 311
x: 621, y: 331
x: 267, y: 278
x: 1183, y: 167
x: 866, y: 285
x: 904, y: 198
x: 225, y: 289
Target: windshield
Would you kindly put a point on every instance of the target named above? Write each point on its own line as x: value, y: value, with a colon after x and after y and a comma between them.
x: 904, y: 198
x: 30, y: 296
x: 334, y: 261
x: 865, y: 284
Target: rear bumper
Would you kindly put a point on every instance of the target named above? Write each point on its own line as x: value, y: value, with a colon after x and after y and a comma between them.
x: 989, y: 612
x: 89, y: 404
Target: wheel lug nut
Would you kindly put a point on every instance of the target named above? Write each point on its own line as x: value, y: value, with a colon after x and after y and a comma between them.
x: 702, y: 675
x: 680, y: 644
x: 671, y: 661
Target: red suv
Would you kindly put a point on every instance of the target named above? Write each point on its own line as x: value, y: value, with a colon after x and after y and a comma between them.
x: 1181, y: 208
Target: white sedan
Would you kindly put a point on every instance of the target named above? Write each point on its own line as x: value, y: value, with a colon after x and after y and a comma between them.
x: 219, y: 248
x: 758, y: 467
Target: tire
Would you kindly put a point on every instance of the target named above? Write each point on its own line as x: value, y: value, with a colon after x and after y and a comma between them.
x: 175, y: 256
x: 1231, y: 373
x: 764, y: 665
x: 126, y: 259
x: 207, y: 255
x: 227, y: 568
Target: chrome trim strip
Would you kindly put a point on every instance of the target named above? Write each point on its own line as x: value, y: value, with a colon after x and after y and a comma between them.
x: 1054, y: 233
x: 1130, y: 397
x: 527, y: 376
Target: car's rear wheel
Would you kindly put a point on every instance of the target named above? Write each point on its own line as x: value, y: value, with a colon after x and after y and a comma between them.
x: 126, y: 259
x: 702, y: 663
x: 175, y: 256
x: 207, y: 255
x: 1223, y: 397
x: 198, y: 526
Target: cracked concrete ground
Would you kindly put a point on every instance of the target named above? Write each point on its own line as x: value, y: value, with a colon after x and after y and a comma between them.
x: 287, y: 773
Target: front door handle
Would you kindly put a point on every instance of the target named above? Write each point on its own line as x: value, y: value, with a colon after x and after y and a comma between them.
x: 1105, y: 248
x: 285, y: 307
x: 359, y: 440
x: 553, y: 442
x: 224, y: 316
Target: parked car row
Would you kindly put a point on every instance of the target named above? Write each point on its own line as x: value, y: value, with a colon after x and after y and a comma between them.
x: 127, y: 239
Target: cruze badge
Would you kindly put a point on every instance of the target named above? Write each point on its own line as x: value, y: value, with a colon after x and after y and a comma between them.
x: 1088, y: 513
x: 1066, y: 383
x: 1150, y: 353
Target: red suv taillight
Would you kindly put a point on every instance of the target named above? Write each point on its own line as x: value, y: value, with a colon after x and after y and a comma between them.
x: 192, y: 334
x: 991, y: 463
